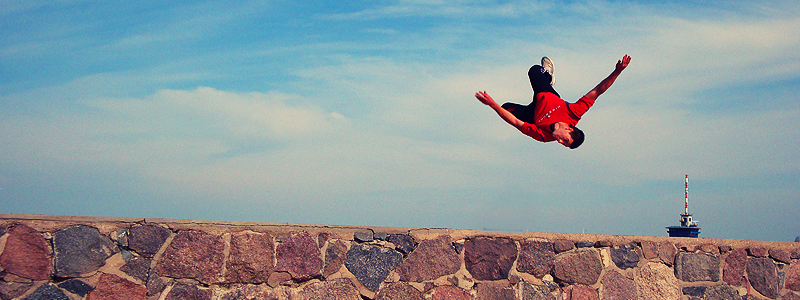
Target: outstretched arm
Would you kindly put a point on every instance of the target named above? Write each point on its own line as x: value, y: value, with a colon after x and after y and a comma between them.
x: 502, y: 112
x: 606, y: 83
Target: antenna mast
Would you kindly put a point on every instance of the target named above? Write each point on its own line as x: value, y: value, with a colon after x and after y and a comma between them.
x: 686, y: 194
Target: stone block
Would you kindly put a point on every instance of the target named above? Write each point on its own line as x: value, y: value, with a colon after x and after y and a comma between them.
x: 11, y: 290
x: 182, y: 291
x: 733, y: 271
x: 656, y: 281
x: 625, y: 256
x: 403, y: 242
x: 580, y: 292
x: 193, y: 254
x: 449, y: 292
x: 76, y: 286
x: 113, y: 287
x: 617, y: 286
x: 27, y: 254
x: 563, y: 246
x: 792, y: 277
x: 299, y: 255
x: 531, y: 291
x: 495, y: 292
x: 363, y: 236
x: 335, y: 256
x: 780, y: 255
x: 763, y: 276
x: 251, y: 258
x: 691, y: 267
x: 502, y: 251
x: 79, y: 250
x: 757, y: 252
x: 337, y: 289
x: 371, y: 264
x: 146, y: 240
x: 137, y: 267
x: 47, y: 292
x: 399, y: 290
x: 578, y: 267
x: 536, y: 257
x: 430, y: 260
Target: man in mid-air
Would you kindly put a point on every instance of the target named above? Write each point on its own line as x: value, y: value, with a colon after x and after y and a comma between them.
x: 549, y: 118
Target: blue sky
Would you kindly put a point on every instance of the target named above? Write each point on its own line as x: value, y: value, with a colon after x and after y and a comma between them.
x: 362, y: 113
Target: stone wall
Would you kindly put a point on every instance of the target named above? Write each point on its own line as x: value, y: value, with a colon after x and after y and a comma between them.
x: 53, y: 257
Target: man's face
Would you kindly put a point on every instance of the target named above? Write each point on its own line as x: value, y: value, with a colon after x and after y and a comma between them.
x: 563, y: 136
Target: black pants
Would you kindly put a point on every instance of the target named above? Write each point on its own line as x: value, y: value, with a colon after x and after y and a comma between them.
x: 540, y: 82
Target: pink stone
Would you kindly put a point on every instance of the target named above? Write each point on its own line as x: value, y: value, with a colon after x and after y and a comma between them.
x: 733, y: 270
x: 112, y: 287
x: 27, y: 254
x: 449, y: 292
x: 792, y: 279
x: 430, y: 260
x: 299, y: 255
x: 193, y: 254
x: 337, y: 289
x: 580, y: 292
x: 399, y: 290
x: 251, y: 258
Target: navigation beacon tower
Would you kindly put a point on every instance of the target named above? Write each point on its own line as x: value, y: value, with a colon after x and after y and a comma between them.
x: 688, y: 228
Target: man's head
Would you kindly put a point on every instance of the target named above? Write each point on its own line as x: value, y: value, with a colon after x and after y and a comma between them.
x: 569, y: 136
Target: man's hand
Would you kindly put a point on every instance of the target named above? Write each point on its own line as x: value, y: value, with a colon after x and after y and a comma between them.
x: 623, y: 63
x: 485, y: 98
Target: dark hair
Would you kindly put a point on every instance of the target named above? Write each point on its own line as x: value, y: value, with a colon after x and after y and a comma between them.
x: 577, y: 137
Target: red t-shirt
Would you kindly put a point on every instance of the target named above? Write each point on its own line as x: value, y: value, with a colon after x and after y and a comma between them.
x: 551, y: 109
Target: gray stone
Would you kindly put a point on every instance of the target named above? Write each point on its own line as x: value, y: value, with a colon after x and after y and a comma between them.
x: 617, y: 286
x: 113, y: 287
x: 625, y: 256
x: 503, y: 253
x: 155, y: 284
x: 76, y: 286
x: 733, y: 271
x: 536, y: 257
x: 27, y: 254
x: 147, y: 239
x: 603, y: 244
x: 299, y: 255
x: 372, y: 264
x: 79, y: 250
x: 47, y: 292
x: 694, y: 291
x: 193, y: 254
x: 584, y: 244
x: 251, y: 258
x: 537, y: 292
x: 337, y: 289
x: 137, y: 267
x: 3, y: 229
x: 399, y: 291
x: 335, y: 256
x: 430, y: 260
x: 403, y: 242
x: 763, y: 276
x: 364, y: 236
x: 721, y: 292
x: 582, y: 266
x: 188, y: 292
x: 381, y: 236
x: 691, y: 267
x: 797, y: 239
